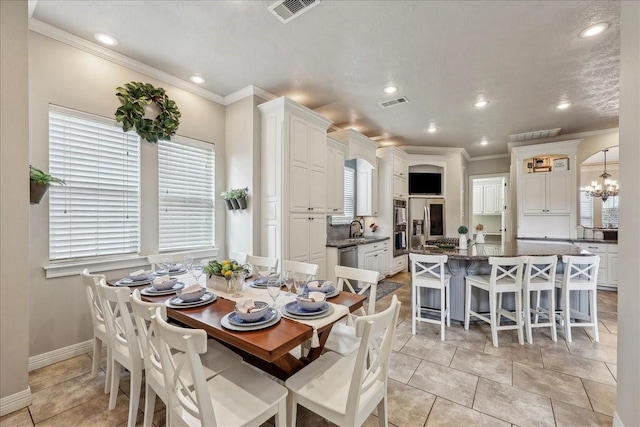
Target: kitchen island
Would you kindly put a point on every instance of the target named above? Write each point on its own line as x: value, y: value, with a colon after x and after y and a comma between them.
x: 474, y: 260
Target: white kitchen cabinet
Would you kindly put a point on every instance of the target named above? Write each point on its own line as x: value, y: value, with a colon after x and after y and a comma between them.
x: 293, y: 182
x: 608, y: 267
x: 374, y: 257
x: 366, y: 189
x: 336, y: 152
x: 399, y: 264
x: 400, y: 188
x: 547, y: 192
x: 487, y: 199
x: 612, y: 274
x: 400, y: 167
x: 478, y: 199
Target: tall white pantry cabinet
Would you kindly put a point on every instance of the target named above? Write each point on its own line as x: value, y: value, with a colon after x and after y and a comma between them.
x: 294, y: 182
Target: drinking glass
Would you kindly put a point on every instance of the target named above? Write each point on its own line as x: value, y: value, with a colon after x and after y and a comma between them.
x: 273, y: 288
x: 237, y: 279
x: 188, y: 262
x: 196, y: 271
x: 300, y: 281
x: 289, y: 279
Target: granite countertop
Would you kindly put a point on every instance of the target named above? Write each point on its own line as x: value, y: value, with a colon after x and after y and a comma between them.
x: 355, y: 241
x: 482, y: 251
x: 545, y: 239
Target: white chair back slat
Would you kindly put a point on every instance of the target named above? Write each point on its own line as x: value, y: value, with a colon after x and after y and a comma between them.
x: 311, y: 270
x: 95, y: 305
x: 261, y: 263
x: 428, y: 267
x: 542, y: 268
x: 506, y: 270
x: 240, y: 257
x: 351, y: 276
x: 583, y: 268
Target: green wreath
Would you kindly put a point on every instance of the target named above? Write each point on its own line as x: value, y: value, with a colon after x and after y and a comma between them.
x: 134, y: 97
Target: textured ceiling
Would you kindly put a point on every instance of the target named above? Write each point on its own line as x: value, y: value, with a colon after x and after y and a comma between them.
x: 523, y: 56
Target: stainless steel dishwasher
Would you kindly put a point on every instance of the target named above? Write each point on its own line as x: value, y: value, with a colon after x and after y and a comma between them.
x: 348, y: 256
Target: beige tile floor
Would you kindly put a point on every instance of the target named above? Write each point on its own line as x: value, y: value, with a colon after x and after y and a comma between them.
x: 463, y: 381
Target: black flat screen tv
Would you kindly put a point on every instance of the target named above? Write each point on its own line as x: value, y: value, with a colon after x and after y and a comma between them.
x: 423, y: 183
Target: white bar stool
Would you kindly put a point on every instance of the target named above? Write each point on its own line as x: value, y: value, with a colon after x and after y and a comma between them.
x: 506, y: 276
x: 427, y: 271
x: 540, y: 276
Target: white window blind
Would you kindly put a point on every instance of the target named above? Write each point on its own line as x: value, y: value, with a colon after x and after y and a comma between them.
x: 586, y: 209
x: 186, y: 185
x: 97, y: 212
x: 349, y: 198
x: 610, y: 212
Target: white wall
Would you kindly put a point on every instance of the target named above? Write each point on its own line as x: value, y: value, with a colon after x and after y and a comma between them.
x: 489, y: 166
x: 62, y: 75
x: 594, y: 144
x: 628, y: 391
x: 14, y: 200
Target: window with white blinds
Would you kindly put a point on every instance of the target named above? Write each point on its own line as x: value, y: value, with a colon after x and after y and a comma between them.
x: 610, y: 212
x: 349, y: 198
x: 186, y: 185
x: 586, y: 209
x: 97, y: 212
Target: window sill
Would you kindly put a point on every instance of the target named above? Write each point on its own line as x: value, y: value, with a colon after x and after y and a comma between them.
x: 74, y: 268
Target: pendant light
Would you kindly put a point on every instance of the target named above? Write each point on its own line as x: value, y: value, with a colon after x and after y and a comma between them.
x: 608, y: 187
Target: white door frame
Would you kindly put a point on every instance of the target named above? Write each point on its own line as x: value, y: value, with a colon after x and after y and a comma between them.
x: 506, y: 213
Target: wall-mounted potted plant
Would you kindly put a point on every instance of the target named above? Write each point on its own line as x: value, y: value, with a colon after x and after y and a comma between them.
x: 241, y: 197
x: 227, y: 199
x: 233, y: 194
x: 39, y: 182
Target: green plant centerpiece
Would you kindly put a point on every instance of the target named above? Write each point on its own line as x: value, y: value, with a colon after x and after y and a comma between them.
x: 39, y: 182
x: 463, y: 230
x: 137, y: 99
x: 225, y: 269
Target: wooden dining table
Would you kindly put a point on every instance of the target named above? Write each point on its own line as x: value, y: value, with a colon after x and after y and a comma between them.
x: 269, y: 348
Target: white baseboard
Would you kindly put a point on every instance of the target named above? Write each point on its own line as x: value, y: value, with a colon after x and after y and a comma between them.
x: 617, y: 422
x: 64, y: 353
x: 16, y: 401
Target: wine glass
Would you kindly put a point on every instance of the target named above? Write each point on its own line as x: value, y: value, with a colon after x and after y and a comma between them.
x: 188, y: 262
x: 288, y: 279
x: 196, y: 271
x: 273, y: 288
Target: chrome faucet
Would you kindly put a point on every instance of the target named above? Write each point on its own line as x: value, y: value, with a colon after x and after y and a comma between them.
x: 355, y: 233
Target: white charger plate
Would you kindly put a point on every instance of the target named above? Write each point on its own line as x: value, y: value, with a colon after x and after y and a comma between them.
x: 205, y: 299
x: 151, y: 291
x: 129, y: 282
x: 268, y: 317
x: 228, y: 325
x: 286, y: 313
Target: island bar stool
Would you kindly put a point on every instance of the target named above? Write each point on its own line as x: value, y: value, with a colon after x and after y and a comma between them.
x: 506, y: 277
x: 427, y: 271
x: 580, y: 274
x: 540, y: 276
x: 100, y: 335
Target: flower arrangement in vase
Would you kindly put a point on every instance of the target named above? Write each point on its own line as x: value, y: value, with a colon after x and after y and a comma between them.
x: 221, y: 273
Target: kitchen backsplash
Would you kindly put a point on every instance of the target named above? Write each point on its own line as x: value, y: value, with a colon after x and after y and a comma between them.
x: 338, y: 231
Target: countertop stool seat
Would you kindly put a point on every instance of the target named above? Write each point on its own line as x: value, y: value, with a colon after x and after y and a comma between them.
x: 580, y: 274
x: 427, y: 271
x: 540, y: 276
x: 506, y: 277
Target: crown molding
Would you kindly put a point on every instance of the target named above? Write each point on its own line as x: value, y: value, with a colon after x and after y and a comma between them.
x: 495, y: 156
x: 250, y: 90
x: 559, y: 138
x: 414, y: 149
x: 117, y: 58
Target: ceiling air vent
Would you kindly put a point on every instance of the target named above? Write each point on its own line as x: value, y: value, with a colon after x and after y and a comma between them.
x: 392, y: 102
x: 536, y: 134
x: 286, y: 10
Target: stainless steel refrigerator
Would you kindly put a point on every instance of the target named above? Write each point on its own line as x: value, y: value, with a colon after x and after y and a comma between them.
x: 426, y: 220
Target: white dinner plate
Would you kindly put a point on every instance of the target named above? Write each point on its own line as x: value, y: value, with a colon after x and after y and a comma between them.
x: 151, y: 291
x: 129, y: 282
x: 228, y: 325
x: 294, y: 308
x: 268, y: 317
x: 286, y: 313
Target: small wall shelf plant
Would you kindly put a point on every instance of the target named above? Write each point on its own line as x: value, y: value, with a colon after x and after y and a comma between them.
x: 39, y: 182
x: 149, y: 110
x: 236, y: 198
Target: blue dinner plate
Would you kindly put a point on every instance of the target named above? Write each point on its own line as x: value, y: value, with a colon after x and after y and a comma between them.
x: 235, y: 320
x: 294, y: 308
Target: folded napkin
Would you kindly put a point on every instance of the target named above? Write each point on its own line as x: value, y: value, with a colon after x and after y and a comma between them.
x: 247, y: 306
x: 137, y: 273
x: 191, y: 289
x: 161, y: 279
x: 175, y: 267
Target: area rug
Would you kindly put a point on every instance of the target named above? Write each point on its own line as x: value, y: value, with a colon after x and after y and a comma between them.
x: 384, y: 289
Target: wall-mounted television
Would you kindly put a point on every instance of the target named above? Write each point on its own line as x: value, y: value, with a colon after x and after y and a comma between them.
x: 423, y: 183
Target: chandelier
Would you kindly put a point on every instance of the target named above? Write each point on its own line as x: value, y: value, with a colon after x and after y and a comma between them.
x: 608, y: 187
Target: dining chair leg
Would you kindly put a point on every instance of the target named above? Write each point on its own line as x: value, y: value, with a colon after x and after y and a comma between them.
x: 493, y: 315
x: 552, y: 314
x: 527, y: 314
x: 448, y: 305
x: 116, y: 368
x: 498, y: 320
x: 566, y: 314
x: 383, y: 420
x: 97, y: 350
x: 467, y: 305
x: 414, y: 299
x: 149, y: 405
x: 537, y: 306
x: 443, y: 313
x: 281, y: 416
x: 292, y: 409
x: 135, y: 383
x: 519, y: 317
x: 593, y: 297
x: 107, y: 380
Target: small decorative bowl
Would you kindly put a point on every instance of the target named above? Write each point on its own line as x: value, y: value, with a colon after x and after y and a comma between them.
x: 191, y: 296
x: 259, y: 312
x: 164, y: 285
x: 306, y: 304
x: 139, y: 277
x: 319, y: 286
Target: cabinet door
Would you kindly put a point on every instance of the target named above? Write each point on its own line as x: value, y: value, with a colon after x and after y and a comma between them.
x: 363, y: 193
x: 500, y: 189
x: 298, y: 165
x: 299, y: 227
x: 371, y: 261
x: 317, y: 238
x: 399, y: 167
x: 317, y: 169
x: 559, y: 195
x: 385, y: 260
x: 477, y: 199
x: 612, y: 270
x: 533, y: 199
x: 489, y: 199
x: 338, y: 183
x: 399, y: 187
x: 331, y: 178
x: 374, y: 191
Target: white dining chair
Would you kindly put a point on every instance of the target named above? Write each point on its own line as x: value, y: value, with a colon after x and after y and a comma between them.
x: 342, y: 338
x: 346, y: 389
x: 506, y: 277
x: 428, y: 272
x: 580, y: 274
x: 240, y: 257
x: 100, y: 335
x: 540, y: 276
x: 238, y: 396
x: 125, y: 346
x: 217, y: 358
x: 301, y: 268
x: 261, y: 263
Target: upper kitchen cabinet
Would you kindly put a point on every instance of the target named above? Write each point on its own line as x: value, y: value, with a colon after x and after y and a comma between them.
x: 488, y: 197
x: 336, y: 155
x: 294, y: 181
x: 546, y: 187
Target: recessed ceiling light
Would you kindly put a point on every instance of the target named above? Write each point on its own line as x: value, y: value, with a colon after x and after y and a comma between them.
x: 484, y: 141
x: 105, y: 39
x: 481, y: 103
x: 197, y: 79
x: 563, y: 105
x: 390, y: 89
x: 432, y: 128
x: 594, y: 30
